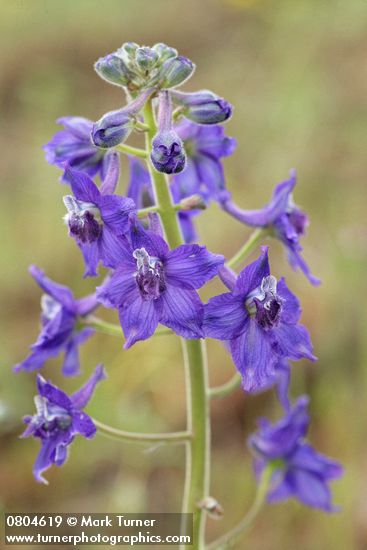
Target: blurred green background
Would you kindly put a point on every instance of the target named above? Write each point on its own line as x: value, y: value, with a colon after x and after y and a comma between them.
x: 295, y: 74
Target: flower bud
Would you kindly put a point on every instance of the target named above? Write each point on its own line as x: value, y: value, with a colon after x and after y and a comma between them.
x: 113, y: 128
x: 113, y: 69
x: 129, y: 49
x: 175, y: 71
x: 202, y: 107
x: 168, y: 154
x: 164, y: 51
x: 146, y: 58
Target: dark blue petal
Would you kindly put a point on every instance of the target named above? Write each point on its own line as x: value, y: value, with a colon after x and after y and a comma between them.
x: 60, y: 293
x: 252, y: 275
x: 53, y: 394
x: 182, y: 311
x: 191, y: 266
x: 83, y: 186
x: 254, y: 357
x: 139, y: 320
x: 225, y: 317
x: 83, y: 395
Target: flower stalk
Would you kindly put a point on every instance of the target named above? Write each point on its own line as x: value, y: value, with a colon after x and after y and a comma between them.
x: 197, y: 402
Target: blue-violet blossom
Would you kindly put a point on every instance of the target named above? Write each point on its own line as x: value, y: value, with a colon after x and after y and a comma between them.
x: 259, y: 318
x: 58, y: 420
x: 60, y: 314
x: 286, y: 221
x: 298, y: 470
x: 73, y: 147
x: 153, y: 284
x: 96, y: 220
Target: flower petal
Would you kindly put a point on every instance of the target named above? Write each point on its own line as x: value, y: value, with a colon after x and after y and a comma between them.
x: 113, y: 249
x: 60, y: 293
x: 292, y: 341
x: 291, y: 308
x: 312, y: 490
x: 115, y: 212
x: 71, y: 365
x: 139, y: 320
x: 254, y: 357
x: 225, y: 317
x: 83, y: 395
x: 53, y: 394
x: 252, y: 275
x: 110, y: 172
x: 82, y: 186
x: 182, y: 311
x: 120, y: 288
x: 191, y: 266
x: 83, y: 424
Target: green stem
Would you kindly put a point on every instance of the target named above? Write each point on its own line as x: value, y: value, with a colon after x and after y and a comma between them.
x: 255, y: 238
x: 198, y: 423
x: 229, y: 539
x: 227, y: 388
x: 115, y: 330
x: 129, y: 150
x: 143, y: 213
x: 135, y: 437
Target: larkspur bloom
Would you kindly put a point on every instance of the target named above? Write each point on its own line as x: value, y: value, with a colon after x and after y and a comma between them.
x: 259, y: 318
x: 60, y: 331
x: 140, y: 190
x: 97, y: 220
x: 73, y: 147
x: 298, y: 470
x: 204, y: 148
x: 153, y: 284
x: 202, y: 107
x: 168, y: 154
x: 284, y: 219
x: 58, y: 420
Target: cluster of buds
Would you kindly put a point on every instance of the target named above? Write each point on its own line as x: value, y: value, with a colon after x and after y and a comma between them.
x: 152, y: 72
x: 138, y: 67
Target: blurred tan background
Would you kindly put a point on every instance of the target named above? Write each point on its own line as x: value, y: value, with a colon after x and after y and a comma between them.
x: 295, y: 72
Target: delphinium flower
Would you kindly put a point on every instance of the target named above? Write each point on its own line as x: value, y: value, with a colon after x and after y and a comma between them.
x: 259, y: 319
x: 284, y: 219
x: 58, y: 420
x: 298, y: 471
x: 168, y: 154
x: 204, y: 147
x: 60, y: 330
x: 153, y: 284
x: 73, y: 147
x: 96, y: 220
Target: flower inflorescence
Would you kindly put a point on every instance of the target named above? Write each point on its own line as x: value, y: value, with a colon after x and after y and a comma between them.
x: 150, y: 283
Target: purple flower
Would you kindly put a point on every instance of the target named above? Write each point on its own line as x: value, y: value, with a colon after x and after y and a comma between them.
x: 155, y: 285
x: 286, y: 221
x: 60, y: 314
x: 202, y: 107
x: 97, y: 221
x: 204, y: 147
x: 73, y: 147
x: 114, y: 70
x: 298, y: 470
x: 259, y: 318
x: 58, y: 420
x: 168, y: 154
